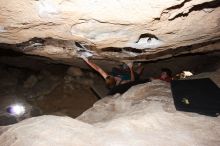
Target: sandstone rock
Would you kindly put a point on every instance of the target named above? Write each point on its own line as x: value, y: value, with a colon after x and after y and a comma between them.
x: 74, y: 71
x: 30, y: 82
x: 85, y: 81
x: 43, y: 87
x: 68, y: 79
x: 141, y: 95
x: 109, y: 27
x: 144, y: 115
x: 79, y: 81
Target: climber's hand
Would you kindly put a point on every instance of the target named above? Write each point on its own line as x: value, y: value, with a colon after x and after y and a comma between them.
x: 128, y: 63
x: 83, y: 57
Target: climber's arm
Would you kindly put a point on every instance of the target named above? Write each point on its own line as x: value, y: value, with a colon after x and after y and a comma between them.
x: 130, y: 65
x: 140, y: 69
x: 95, y: 67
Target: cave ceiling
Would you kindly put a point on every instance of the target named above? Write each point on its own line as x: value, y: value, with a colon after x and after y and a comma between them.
x: 114, y: 30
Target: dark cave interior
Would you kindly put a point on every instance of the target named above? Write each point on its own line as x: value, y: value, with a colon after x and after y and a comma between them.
x: 46, y: 87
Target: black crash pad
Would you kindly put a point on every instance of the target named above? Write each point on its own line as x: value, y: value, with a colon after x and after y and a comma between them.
x: 199, y: 95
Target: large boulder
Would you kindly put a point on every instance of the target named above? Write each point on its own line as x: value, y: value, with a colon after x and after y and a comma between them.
x: 144, y: 115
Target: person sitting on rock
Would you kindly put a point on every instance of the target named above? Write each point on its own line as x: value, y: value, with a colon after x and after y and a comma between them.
x: 112, y: 80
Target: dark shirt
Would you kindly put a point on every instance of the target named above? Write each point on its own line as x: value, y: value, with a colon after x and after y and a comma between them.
x: 124, y: 87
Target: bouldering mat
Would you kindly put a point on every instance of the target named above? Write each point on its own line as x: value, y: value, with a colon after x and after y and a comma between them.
x: 198, y: 95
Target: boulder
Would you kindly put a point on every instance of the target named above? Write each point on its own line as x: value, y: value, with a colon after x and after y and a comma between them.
x: 30, y: 82
x: 74, y: 71
x: 144, y: 115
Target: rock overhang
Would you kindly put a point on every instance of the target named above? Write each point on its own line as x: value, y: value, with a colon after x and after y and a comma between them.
x: 133, y: 30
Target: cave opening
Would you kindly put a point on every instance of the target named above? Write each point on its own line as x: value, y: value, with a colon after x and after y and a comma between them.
x: 44, y: 86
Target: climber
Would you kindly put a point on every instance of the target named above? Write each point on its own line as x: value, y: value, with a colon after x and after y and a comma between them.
x: 138, y: 70
x: 112, y: 80
x: 165, y: 75
x: 124, y: 72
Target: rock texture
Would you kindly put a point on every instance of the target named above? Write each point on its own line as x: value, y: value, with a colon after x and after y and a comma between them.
x: 113, y: 29
x: 46, y: 90
x: 144, y: 115
x: 74, y: 71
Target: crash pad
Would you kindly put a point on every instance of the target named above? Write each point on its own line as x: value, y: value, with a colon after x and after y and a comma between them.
x: 198, y: 95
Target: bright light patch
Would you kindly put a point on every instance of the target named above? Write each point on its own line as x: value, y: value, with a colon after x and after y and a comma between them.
x: 184, y: 74
x: 86, y: 54
x: 47, y: 8
x: 187, y: 73
x: 16, y: 109
x: 146, y: 43
x: 2, y: 29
